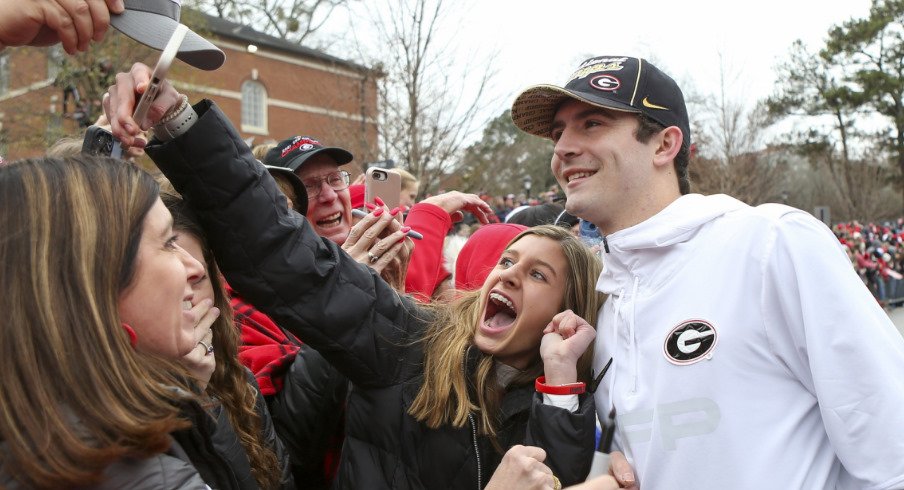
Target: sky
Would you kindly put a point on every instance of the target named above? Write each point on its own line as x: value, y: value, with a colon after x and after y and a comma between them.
x: 537, y: 41
x: 544, y: 41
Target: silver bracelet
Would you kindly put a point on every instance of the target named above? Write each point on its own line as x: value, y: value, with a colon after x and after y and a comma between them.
x: 176, y: 126
x: 174, y: 113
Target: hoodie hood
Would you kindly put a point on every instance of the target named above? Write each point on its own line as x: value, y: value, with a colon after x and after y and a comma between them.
x: 638, y: 251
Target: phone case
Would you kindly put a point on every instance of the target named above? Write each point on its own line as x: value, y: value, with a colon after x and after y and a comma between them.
x: 160, y: 72
x: 100, y: 142
x: 383, y: 183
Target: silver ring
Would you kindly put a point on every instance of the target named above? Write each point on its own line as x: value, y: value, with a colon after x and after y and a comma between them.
x: 373, y: 258
x: 208, y: 348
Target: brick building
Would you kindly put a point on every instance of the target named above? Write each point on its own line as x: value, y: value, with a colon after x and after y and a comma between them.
x: 269, y: 88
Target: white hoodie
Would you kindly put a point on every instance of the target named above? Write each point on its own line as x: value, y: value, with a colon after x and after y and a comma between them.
x: 747, y: 354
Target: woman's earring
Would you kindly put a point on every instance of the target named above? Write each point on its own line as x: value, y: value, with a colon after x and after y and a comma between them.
x: 133, y: 338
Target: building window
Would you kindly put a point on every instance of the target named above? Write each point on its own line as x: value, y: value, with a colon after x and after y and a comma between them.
x: 4, y: 73
x: 254, y: 107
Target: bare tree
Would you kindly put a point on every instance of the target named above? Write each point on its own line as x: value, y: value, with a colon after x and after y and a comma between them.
x: 733, y: 159
x: 292, y: 20
x: 431, y: 94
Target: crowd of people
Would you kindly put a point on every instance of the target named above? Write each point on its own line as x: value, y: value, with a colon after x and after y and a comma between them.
x: 877, y: 254
x: 246, y: 318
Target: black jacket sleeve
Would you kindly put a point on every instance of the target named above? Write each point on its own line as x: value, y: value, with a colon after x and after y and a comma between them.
x: 567, y: 437
x: 275, y: 260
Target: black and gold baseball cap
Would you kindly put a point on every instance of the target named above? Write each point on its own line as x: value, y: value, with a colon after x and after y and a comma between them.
x: 620, y: 83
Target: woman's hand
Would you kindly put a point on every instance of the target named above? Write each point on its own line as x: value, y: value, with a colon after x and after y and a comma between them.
x: 621, y: 470
x: 122, y: 97
x: 522, y: 468
x: 565, y: 339
x: 380, y: 242
x: 455, y: 202
x: 200, y: 361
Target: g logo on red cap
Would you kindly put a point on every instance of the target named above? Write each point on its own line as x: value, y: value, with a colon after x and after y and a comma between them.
x: 606, y: 83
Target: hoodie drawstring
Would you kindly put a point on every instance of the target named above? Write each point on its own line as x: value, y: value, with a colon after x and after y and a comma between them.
x: 615, y: 356
x: 631, y: 324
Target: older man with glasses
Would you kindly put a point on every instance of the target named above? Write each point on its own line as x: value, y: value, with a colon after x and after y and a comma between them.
x: 329, y: 202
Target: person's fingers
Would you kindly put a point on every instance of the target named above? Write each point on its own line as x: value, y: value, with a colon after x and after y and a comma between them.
x: 80, y: 13
x: 387, y: 257
x: 357, y: 231
x: 568, y: 326
x: 121, y: 102
x: 100, y: 17
x: 167, y: 98
x: 207, y: 319
x: 370, y: 235
x: 58, y: 20
x: 621, y: 470
x: 115, y: 6
x: 533, y: 452
x: 382, y: 246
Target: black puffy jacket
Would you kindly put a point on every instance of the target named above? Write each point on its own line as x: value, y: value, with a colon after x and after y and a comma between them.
x: 214, y: 449
x: 308, y: 416
x: 207, y: 455
x: 309, y: 286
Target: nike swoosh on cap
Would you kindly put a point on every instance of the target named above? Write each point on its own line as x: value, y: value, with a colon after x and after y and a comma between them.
x: 647, y: 103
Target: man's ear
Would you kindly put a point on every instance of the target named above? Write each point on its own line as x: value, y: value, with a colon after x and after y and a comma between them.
x: 670, y: 140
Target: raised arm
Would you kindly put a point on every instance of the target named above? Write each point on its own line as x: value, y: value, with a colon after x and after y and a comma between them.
x: 270, y: 254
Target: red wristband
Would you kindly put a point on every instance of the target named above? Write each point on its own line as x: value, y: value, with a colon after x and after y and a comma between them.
x: 566, y: 389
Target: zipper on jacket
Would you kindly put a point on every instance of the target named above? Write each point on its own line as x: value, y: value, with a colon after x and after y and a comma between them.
x: 476, y: 450
x: 464, y: 369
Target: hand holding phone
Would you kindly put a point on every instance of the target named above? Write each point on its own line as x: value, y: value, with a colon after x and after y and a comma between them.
x: 159, y: 75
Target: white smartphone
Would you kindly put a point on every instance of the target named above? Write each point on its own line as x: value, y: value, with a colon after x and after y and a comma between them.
x: 163, y: 64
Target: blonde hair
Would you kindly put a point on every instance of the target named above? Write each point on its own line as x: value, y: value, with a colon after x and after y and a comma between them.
x: 443, y: 398
x: 260, y: 151
x: 65, y: 147
x: 408, y: 180
x: 76, y: 396
x: 229, y: 382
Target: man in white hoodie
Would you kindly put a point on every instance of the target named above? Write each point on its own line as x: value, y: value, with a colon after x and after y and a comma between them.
x: 746, y: 351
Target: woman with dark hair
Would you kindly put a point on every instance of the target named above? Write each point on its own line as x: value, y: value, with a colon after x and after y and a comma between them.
x: 438, y: 393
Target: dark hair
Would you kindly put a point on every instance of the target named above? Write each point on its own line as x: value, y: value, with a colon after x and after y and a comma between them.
x: 646, y: 129
x: 566, y: 220
x: 541, y: 214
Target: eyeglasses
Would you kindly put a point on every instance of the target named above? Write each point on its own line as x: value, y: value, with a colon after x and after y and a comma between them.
x: 338, y: 181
